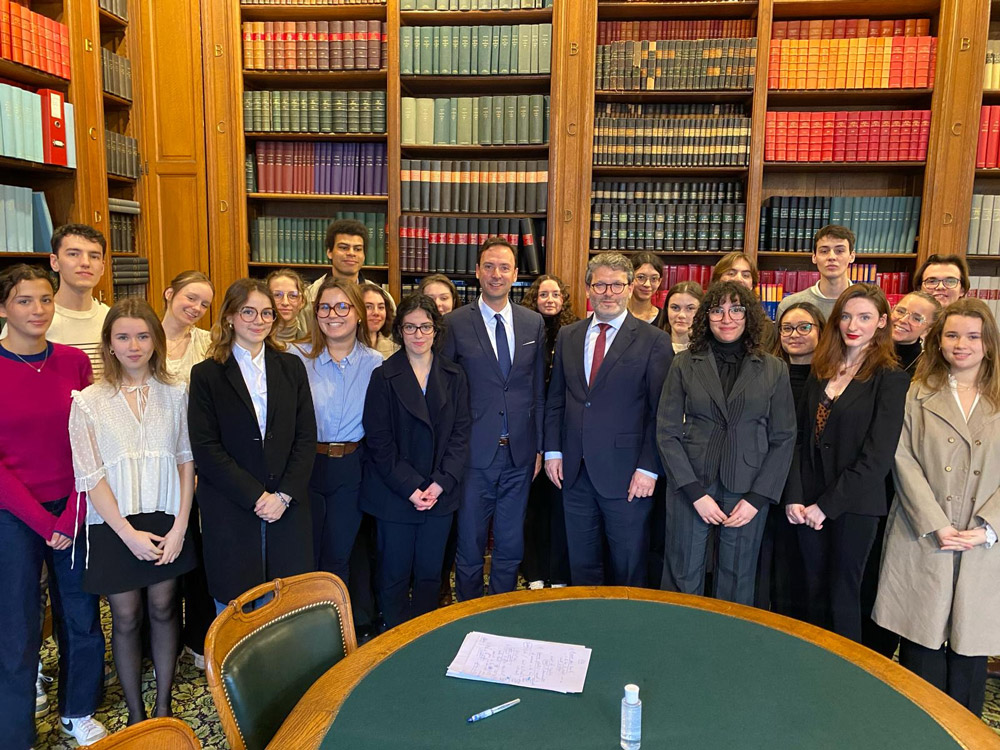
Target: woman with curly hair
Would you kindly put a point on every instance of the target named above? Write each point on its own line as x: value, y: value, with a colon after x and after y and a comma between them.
x: 726, y: 431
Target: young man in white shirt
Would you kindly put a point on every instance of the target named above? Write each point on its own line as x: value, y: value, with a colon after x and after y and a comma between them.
x: 833, y: 254
x: 346, y: 242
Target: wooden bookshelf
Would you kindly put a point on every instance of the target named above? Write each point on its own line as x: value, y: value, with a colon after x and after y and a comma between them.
x: 302, y: 12
x: 336, y: 137
x: 851, y: 98
x: 332, y: 79
x: 417, y: 85
x: 639, y: 97
x: 474, y: 17
x: 656, y: 11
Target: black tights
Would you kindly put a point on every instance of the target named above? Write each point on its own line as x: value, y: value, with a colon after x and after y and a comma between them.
x: 126, y: 644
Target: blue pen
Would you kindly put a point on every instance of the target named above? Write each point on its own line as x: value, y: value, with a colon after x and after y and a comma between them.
x: 495, y: 710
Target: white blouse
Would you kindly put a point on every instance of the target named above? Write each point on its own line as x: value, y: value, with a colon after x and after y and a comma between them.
x: 137, y: 457
x: 197, y: 351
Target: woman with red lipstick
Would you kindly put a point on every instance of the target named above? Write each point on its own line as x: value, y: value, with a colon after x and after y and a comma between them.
x: 849, y: 420
x: 186, y: 301
x: 938, y: 585
x: 417, y: 425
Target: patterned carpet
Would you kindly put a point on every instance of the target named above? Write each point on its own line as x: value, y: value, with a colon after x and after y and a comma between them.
x: 193, y: 703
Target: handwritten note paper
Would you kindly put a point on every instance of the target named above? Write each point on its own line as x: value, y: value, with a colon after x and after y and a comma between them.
x: 560, y: 667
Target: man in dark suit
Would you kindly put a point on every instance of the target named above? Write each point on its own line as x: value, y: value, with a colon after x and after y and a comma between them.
x: 600, y: 428
x: 501, y: 348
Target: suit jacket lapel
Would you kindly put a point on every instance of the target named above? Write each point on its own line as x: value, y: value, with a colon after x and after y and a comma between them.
x: 235, y: 376
x: 520, y: 333
x: 484, y: 336
x: 748, y: 373
x: 943, y: 404
x: 404, y: 382
x: 273, y: 388
x: 622, y: 341
x: 575, y: 350
x: 708, y: 374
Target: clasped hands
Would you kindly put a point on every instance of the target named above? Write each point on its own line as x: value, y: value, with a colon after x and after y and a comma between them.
x: 269, y: 507
x: 150, y: 547
x: 425, y: 499
x: 950, y: 539
x: 710, y: 512
x: 810, y: 515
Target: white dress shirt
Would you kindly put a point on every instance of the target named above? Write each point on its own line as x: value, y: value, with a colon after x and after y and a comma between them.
x: 489, y: 318
x: 255, y: 377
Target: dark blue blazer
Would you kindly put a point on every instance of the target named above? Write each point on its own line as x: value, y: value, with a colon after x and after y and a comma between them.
x: 521, y: 395
x: 413, y: 439
x: 611, y: 426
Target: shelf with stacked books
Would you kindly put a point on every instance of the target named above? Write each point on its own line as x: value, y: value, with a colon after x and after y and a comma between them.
x: 820, y: 8
x: 322, y: 198
x: 301, y: 136
x: 12, y: 71
x: 694, y: 9
x: 313, y: 11
x: 316, y: 78
x: 743, y: 96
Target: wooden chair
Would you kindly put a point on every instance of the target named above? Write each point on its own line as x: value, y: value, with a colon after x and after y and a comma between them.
x: 260, y: 663
x: 152, y: 734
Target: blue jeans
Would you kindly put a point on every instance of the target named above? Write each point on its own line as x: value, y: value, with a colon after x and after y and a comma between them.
x: 76, y: 615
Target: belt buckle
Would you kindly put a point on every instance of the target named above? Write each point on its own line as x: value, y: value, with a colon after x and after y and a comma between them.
x: 504, y: 441
x: 335, y: 450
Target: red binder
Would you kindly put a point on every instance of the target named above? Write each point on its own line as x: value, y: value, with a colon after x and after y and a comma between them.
x: 53, y: 127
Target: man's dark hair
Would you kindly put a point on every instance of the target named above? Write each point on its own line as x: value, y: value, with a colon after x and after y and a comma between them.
x: 413, y: 303
x: 78, y: 230
x: 837, y: 232
x: 952, y: 260
x: 496, y: 241
x: 350, y: 227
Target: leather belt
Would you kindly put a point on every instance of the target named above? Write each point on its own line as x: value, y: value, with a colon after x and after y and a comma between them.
x: 504, y: 441
x: 336, y: 450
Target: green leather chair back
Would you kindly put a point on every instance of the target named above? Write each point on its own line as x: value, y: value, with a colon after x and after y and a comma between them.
x: 267, y: 672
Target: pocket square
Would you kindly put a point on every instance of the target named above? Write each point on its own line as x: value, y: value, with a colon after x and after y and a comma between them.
x: 528, y: 343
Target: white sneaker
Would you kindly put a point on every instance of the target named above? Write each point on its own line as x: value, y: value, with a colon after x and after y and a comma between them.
x: 83, y: 729
x: 41, y: 697
x: 535, y: 585
x: 558, y: 585
x: 198, y: 659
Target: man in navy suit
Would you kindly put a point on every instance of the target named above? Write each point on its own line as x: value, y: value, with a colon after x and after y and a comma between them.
x: 600, y: 428
x: 501, y: 348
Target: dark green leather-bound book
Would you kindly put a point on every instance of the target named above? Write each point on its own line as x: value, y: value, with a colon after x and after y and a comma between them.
x: 453, y: 121
x: 485, y: 49
x: 464, y: 117
x: 249, y: 172
x: 497, y: 134
x: 371, y: 224
x: 543, y: 187
x: 463, y: 177
x: 465, y: 36
x: 365, y: 108
x: 339, y: 111
x: 522, y: 130
x: 535, y: 49
x: 545, y: 119
x: 509, y: 171
x: 421, y: 200
x: 503, y: 66
x: 248, y: 114
x: 311, y: 120
x: 474, y: 38
x: 380, y: 240
x: 456, y: 39
x: 406, y: 50
x: 325, y: 111
x: 482, y: 170
x: 353, y: 111
x: 265, y: 123
x: 523, y: 49
x: 510, y: 119
x: 436, y: 50
x: 515, y: 50
x: 281, y: 121
x: 378, y: 112
x: 450, y: 246
x: 426, y: 50
x: 726, y: 227
x: 536, y: 119
x: 485, y: 107
x: 495, y: 191
x: 441, y: 117
x: 495, y: 32
x: 446, y: 65
x: 446, y: 177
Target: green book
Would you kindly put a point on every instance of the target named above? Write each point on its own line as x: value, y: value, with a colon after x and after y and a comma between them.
x: 286, y: 106
x: 534, y: 48
x: 436, y: 50
x: 313, y: 112
x: 474, y: 111
x: 371, y: 224
x: 515, y: 49
x: 425, y: 4
x: 408, y: 121
x: 407, y: 4
x: 510, y: 119
x: 485, y: 49
x: 265, y: 110
x: 544, y: 47
x: 453, y: 121
x: 248, y: 117
x: 522, y: 136
x: 441, y: 117
x: 406, y: 50
x: 474, y: 51
x: 495, y: 49
x: 353, y: 111
x: 464, y: 121
x: 496, y: 135
x: 442, y: 5
x: 465, y: 50
x: 536, y: 103
x: 339, y: 111
x: 523, y: 50
x: 465, y: 5
x: 426, y: 50
x: 378, y: 112
x: 445, y: 63
x: 380, y: 240
x: 503, y: 68
x: 425, y: 122
x: 325, y: 111
x: 485, y: 108
x: 545, y: 120
x: 455, y: 49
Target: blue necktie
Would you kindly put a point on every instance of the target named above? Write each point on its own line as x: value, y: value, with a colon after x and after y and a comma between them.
x: 503, y: 350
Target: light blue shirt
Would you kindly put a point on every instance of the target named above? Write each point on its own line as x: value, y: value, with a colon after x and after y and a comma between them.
x: 255, y: 376
x: 589, y: 344
x: 489, y: 318
x: 338, y: 391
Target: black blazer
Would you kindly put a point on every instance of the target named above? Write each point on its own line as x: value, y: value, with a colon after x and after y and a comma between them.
x: 844, y: 472
x: 745, y: 440
x: 521, y: 395
x: 612, y: 425
x: 413, y: 439
x: 235, y: 467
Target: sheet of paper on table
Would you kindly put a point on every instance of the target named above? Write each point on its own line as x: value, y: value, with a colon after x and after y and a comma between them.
x: 545, y: 665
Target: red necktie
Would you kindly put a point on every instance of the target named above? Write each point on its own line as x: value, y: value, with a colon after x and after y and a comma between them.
x: 599, y: 346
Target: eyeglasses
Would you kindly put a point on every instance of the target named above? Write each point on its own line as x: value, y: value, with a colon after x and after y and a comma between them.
x: 291, y: 296
x: 787, y: 329
x: 341, y: 310
x: 949, y: 283
x: 249, y: 314
x: 411, y: 328
x: 737, y: 312
x: 601, y: 287
x: 653, y: 280
x: 901, y: 313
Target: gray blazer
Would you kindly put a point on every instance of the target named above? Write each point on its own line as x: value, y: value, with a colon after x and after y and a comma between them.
x: 745, y: 441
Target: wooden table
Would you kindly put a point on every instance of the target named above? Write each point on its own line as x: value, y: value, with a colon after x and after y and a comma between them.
x: 406, y: 699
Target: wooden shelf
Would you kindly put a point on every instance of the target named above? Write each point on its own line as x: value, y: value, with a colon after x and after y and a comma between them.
x: 969, y: 258
x: 477, y: 152
x: 23, y: 165
x: 112, y: 101
x: 22, y: 256
x: 117, y: 179
x: 847, y: 97
x: 854, y: 8
x: 486, y: 85
x: 320, y: 78
x: 988, y: 172
x: 311, y: 198
x: 23, y: 74
x: 844, y: 166
x: 475, y: 215
x: 367, y: 12
x: 283, y: 136
x: 858, y: 258
x: 658, y: 11
x: 991, y: 96
x: 474, y: 17
x: 655, y: 172
x: 713, y: 97
x: 109, y: 20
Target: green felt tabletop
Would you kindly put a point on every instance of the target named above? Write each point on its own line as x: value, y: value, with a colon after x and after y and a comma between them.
x: 706, y: 681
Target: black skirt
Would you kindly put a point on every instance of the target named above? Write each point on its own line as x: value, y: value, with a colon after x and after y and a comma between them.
x: 113, y: 569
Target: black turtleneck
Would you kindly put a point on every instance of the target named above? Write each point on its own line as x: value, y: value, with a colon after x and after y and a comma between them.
x: 908, y: 355
x: 728, y: 359
x: 797, y: 376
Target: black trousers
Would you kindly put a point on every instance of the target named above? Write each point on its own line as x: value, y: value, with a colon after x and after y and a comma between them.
x: 873, y: 635
x: 409, y: 566
x: 199, y: 607
x: 833, y: 560
x: 546, y: 557
x: 961, y: 677
x: 781, y: 585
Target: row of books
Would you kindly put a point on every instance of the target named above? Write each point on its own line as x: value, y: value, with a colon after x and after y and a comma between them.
x: 988, y: 145
x: 34, y: 40
x: 435, y: 244
x: 991, y: 75
x: 855, y: 136
x: 881, y: 224
x: 486, y: 187
x: 714, y: 28
x: 314, y: 111
x: 634, y: 191
x: 475, y: 50
x: 116, y: 74
x: 293, y: 239
x: 134, y: 270
x: 468, y: 290
x: 25, y: 222
x: 475, y: 120
x: 895, y: 282
x: 863, y: 63
x: 674, y: 273
x: 668, y: 227
x: 121, y: 155
x: 473, y: 4
x: 677, y: 65
x: 986, y: 288
x: 124, y: 220
x: 37, y: 126
x: 849, y: 28
x: 318, y: 168
x: 315, y: 45
x: 118, y: 7
x: 674, y: 141
x: 984, y: 226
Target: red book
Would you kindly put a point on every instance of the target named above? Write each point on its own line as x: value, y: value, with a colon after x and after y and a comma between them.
x: 840, y: 136
x: 779, y: 29
x: 896, y: 63
x: 899, y: 27
x: 993, y: 142
x: 895, y: 153
x: 816, y: 120
x: 863, y: 27
x: 5, y: 48
x: 864, y: 135
x: 829, y: 130
x: 907, y: 144
x: 984, y: 131
x: 17, y: 48
x: 885, y: 116
x: 794, y: 29
x: 840, y: 28
x: 851, y: 28
x: 886, y: 28
x: 923, y: 26
x: 851, y: 147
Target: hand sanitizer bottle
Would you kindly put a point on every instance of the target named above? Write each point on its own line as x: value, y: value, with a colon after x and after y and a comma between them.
x: 631, y: 718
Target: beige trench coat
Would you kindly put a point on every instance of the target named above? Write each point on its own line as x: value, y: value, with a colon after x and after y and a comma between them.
x: 946, y: 472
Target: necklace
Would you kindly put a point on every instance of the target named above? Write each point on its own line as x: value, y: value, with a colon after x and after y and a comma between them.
x: 847, y: 368
x: 29, y: 364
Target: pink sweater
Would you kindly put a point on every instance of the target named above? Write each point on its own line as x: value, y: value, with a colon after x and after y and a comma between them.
x: 36, y: 464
